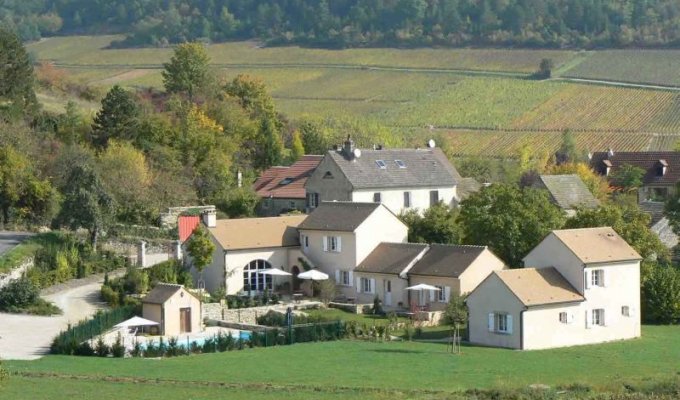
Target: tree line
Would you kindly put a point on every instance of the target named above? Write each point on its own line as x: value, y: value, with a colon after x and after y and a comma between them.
x: 353, y: 23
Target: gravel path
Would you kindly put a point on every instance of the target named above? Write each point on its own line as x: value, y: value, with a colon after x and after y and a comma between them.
x: 10, y: 239
x: 28, y: 337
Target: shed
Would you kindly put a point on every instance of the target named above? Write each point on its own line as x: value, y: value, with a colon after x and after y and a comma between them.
x: 176, y: 309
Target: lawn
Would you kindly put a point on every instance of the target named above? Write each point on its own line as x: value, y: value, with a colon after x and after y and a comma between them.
x: 400, y: 366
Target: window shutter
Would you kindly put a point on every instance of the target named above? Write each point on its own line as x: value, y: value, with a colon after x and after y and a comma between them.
x: 631, y: 311
x: 587, y: 279
x: 372, y: 285
x: 605, y: 278
x: 603, y: 315
x: 358, y: 285
x: 351, y: 278
x: 492, y: 320
x: 509, y: 323
x: 325, y: 243
x: 431, y: 295
x: 588, y: 321
x: 337, y: 276
x: 447, y: 294
x: 339, y: 244
x: 570, y: 318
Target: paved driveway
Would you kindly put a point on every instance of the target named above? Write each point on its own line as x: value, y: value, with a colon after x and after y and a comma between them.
x: 11, y: 239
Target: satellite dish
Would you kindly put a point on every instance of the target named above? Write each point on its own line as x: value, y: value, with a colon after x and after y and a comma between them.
x: 431, y: 144
x: 357, y: 153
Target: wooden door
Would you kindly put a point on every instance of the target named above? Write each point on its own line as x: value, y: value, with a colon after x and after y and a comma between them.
x: 185, y: 320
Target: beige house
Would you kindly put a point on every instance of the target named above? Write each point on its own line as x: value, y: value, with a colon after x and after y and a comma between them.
x: 584, y: 288
x: 392, y: 267
x: 174, y: 308
x: 401, y: 179
x: 243, y: 247
x: 338, y: 236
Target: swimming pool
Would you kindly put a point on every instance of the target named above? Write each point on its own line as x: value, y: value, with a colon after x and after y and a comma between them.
x: 187, y: 341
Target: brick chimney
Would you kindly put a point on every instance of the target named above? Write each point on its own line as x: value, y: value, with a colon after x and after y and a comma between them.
x: 348, y: 148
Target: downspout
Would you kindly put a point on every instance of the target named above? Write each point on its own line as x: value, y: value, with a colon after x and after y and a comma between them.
x: 521, y: 329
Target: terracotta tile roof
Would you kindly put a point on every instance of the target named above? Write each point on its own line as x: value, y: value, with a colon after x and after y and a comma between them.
x: 255, y: 233
x: 391, y: 258
x: 567, y: 191
x: 538, y: 286
x: 647, y: 160
x: 596, y: 245
x: 446, y: 260
x: 342, y: 216
x: 287, y: 182
x: 186, y: 225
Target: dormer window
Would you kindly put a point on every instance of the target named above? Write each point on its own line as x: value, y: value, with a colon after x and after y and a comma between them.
x: 661, y: 168
x: 400, y: 163
x: 381, y: 164
x: 286, y: 181
x: 327, y: 175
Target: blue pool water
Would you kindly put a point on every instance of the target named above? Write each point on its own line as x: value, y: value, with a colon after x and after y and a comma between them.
x: 186, y: 342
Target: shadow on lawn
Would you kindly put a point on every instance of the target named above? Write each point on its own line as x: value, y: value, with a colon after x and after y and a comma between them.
x: 398, y: 351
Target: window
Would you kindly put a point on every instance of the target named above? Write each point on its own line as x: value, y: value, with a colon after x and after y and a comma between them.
x: 312, y: 200
x: 377, y: 197
x: 327, y: 175
x: 563, y: 317
x: 407, y: 199
x: 286, y: 181
x: 253, y: 280
x: 597, y: 277
x: 331, y: 244
x: 598, y: 317
x: 625, y: 311
x: 400, y: 164
x: 500, y: 323
x: 434, y: 197
x: 304, y: 239
x: 381, y: 164
x: 366, y: 285
x: 345, y: 278
x: 440, y: 294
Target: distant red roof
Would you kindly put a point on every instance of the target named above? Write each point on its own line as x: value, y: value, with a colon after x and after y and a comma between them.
x: 186, y: 226
x: 287, y: 182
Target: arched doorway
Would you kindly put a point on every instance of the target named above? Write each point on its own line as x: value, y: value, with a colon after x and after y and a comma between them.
x: 296, y: 281
x: 253, y: 281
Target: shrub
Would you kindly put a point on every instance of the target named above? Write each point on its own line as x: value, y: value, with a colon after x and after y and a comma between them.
x: 136, y: 349
x: 117, y: 349
x: 101, y: 348
x: 327, y: 291
x: 18, y: 294
x: 377, y: 306
x: 4, y: 374
x: 110, y: 296
x: 84, y: 349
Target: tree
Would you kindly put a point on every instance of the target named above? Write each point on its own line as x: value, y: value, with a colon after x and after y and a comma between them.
x: 544, y: 69
x: 188, y: 70
x: 661, y: 295
x: 17, y: 95
x: 117, y: 119
x: 201, y: 249
x: 297, y: 149
x: 252, y: 94
x: 436, y: 225
x: 271, y: 145
x: 456, y: 315
x: 86, y: 203
x: 596, y: 183
x: 628, y: 221
x: 628, y: 177
x: 510, y: 220
x: 567, y: 152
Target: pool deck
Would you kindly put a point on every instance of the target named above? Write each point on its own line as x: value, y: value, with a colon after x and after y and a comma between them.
x: 129, y: 339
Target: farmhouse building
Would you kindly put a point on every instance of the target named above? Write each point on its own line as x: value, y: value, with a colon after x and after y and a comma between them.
x: 282, y: 189
x: 581, y: 286
x: 401, y: 179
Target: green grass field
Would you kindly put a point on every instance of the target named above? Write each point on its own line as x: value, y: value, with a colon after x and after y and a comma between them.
x: 329, y: 368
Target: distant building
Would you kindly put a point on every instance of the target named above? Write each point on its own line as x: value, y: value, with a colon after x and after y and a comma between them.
x: 568, y: 192
x: 282, y: 189
x: 401, y: 179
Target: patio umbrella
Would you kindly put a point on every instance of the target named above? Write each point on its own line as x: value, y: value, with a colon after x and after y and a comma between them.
x: 313, y: 275
x: 274, y: 272
x: 421, y: 288
x: 136, y: 321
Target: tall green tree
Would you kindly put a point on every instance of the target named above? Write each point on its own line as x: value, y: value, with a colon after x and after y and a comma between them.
x: 510, y: 220
x: 628, y: 221
x: 86, y: 203
x: 297, y: 149
x: 271, y: 150
x: 661, y: 295
x: 17, y: 95
x: 437, y: 225
x: 567, y: 153
x: 188, y: 70
x: 201, y: 249
x: 628, y: 177
x: 117, y: 119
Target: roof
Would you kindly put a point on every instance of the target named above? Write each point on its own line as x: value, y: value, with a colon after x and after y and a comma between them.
x: 391, y: 258
x: 540, y: 286
x: 596, y: 245
x: 446, y: 260
x: 647, y: 160
x: 186, y: 225
x: 255, y: 233
x: 568, y: 191
x: 419, y: 168
x: 287, y: 182
x: 161, y: 293
x: 343, y: 216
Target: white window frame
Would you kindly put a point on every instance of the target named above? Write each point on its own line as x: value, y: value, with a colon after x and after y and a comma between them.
x: 564, y: 317
x: 333, y: 244
x: 433, y: 194
x: 440, y: 295
x: 501, y: 323
x: 313, y: 199
x: 597, y: 277
x: 597, y: 317
x: 366, y: 285
x: 345, y: 278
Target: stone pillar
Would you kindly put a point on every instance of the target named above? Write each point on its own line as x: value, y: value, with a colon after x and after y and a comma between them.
x: 178, y: 250
x: 141, y: 254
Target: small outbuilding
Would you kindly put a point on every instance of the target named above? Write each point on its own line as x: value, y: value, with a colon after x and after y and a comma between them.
x: 176, y: 309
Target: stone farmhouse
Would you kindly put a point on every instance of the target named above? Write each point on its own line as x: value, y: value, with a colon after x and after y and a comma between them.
x: 579, y: 286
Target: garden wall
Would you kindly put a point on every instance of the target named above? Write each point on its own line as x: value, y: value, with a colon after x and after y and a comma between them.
x: 16, y: 273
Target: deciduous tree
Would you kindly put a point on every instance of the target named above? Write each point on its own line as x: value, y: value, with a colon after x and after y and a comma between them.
x: 437, y: 225
x: 188, y: 70
x: 628, y: 177
x: 201, y: 249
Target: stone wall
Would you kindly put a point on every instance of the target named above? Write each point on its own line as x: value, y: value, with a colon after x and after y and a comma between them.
x: 169, y: 218
x: 248, y: 316
x: 16, y: 272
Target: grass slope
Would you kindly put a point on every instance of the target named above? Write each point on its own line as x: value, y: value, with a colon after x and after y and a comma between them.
x: 397, y: 366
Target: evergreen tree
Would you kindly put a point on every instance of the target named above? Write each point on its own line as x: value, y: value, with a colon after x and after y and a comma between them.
x: 17, y: 95
x: 297, y: 149
x: 271, y: 145
x: 117, y: 119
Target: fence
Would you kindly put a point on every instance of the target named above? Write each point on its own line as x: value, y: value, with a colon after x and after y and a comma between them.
x: 314, y: 332
x: 68, y: 341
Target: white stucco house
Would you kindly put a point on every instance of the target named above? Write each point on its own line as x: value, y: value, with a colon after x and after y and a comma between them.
x: 401, y: 179
x: 580, y: 286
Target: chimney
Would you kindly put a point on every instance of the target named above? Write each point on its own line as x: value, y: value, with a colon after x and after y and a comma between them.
x: 348, y: 148
x: 610, y: 153
x: 209, y: 218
